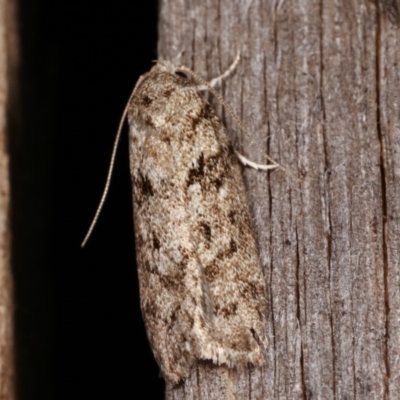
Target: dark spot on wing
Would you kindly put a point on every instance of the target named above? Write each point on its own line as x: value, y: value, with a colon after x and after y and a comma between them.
x: 197, y: 172
x: 217, y: 183
x: 150, y: 310
x: 156, y: 242
x: 205, y: 117
x: 232, y: 217
x: 143, y: 187
x: 233, y: 246
x: 211, y: 272
x: 227, y: 311
x: 251, y: 291
x: 210, y: 172
x: 146, y: 186
x: 148, y: 120
x: 214, y: 161
x: 174, y: 314
x: 206, y: 230
x: 146, y: 101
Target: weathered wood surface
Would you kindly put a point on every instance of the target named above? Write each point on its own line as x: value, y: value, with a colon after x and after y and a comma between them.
x: 318, y: 87
x: 8, y: 52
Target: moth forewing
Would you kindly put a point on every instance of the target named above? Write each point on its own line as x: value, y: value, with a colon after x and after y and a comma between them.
x: 201, y: 284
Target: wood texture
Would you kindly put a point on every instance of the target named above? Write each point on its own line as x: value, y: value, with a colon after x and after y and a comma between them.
x: 318, y: 88
x: 7, y: 79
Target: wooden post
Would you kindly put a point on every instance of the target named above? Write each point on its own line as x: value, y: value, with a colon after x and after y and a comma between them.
x: 318, y: 88
x: 8, y: 60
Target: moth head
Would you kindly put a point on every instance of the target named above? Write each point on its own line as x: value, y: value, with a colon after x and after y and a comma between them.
x: 161, y: 93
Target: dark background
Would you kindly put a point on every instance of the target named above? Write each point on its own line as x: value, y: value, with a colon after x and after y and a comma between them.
x: 79, y: 331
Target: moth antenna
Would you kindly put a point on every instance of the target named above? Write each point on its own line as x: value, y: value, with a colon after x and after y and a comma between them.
x: 225, y: 104
x: 110, y: 171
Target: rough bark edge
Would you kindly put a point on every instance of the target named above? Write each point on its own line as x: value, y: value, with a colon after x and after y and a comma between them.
x: 8, y: 85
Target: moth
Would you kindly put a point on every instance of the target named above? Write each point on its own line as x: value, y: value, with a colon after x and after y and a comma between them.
x: 202, y: 289
x: 201, y: 285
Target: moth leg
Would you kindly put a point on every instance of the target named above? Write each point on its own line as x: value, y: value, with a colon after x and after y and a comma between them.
x: 247, y: 162
x: 216, y: 81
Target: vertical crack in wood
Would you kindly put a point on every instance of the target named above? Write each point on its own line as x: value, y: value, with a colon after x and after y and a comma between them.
x: 326, y: 190
x: 303, y: 382
x: 270, y: 286
x: 384, y: 202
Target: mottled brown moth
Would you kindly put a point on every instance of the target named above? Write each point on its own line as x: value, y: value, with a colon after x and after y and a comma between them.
x: 202, y: 289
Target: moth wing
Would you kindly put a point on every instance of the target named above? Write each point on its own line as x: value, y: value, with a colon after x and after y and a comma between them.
x: 173, y: 291
x: 221, y: 228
